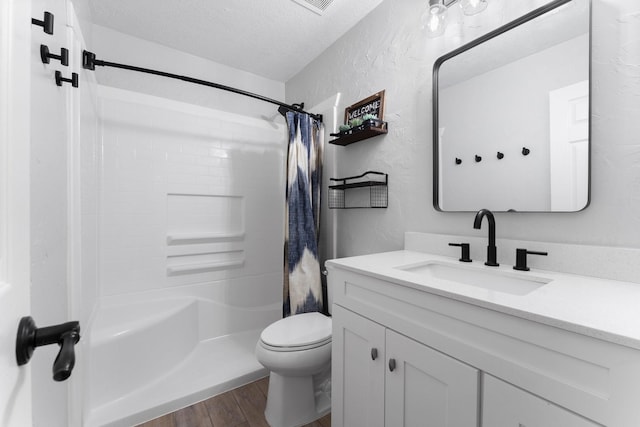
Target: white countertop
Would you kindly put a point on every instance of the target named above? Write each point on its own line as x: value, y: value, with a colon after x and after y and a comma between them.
x: 605, y: 309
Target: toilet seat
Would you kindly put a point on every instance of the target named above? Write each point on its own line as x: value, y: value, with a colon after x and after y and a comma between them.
x: 298, y: 332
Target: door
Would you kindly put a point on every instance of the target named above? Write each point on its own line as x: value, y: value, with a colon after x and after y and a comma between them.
x: 15, y: 63
x: 357, y: 390
x: 50, y: 181
x: 569, y: 147
x: 427, y: 388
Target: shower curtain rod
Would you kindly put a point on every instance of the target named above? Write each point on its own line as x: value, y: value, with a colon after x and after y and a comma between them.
x: 89, y: 62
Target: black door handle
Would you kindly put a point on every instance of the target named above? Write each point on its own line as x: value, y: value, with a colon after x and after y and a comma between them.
x: 66, y: 335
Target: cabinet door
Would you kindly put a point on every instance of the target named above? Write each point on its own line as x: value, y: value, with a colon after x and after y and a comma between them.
x: 507, y: 406
x: 357, y: 371
x: 428, y: 388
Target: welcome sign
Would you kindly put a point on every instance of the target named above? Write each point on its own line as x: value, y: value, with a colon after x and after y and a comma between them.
x: 371, y: 105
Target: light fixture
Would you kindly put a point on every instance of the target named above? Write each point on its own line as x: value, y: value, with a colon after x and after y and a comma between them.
x: 471, y: 7
x: 434, y: 21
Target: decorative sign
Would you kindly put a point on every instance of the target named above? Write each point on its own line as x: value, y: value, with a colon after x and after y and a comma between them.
x: 372, y: 105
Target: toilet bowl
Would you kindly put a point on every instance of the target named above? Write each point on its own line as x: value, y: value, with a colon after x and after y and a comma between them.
x: 297, y: 352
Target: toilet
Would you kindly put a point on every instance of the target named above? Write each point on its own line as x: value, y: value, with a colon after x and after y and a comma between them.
x: 297, y: 352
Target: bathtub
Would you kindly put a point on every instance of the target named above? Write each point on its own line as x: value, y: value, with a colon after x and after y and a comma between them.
x: 148, y: 355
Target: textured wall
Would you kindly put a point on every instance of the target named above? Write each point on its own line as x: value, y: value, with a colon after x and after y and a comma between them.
x: 388, y: 50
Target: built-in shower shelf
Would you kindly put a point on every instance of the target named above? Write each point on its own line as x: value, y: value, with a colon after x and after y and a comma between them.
x: 204, y: 267
x: 186, y: 238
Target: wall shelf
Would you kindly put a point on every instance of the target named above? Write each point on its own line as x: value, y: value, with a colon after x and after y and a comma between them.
x: 378, y: 195
x: 368, y: 129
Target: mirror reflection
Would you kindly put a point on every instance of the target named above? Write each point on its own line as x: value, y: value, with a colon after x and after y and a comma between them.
x: 511, y: 116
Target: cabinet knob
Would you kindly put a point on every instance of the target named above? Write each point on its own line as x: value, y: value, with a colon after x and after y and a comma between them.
x: 392, y: 364
x: 374, y: 353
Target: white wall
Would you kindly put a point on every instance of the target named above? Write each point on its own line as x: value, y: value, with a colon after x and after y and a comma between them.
x: 113, y: 46
x: 173, y: 170
x: 387, y: 50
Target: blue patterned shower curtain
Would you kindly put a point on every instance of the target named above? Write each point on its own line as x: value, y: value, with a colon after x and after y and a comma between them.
x: 302, y: 283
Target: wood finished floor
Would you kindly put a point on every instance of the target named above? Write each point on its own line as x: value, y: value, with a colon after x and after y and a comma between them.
x: 242, y: 407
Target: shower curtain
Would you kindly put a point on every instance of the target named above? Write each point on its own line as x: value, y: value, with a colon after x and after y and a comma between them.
x: 302, y: 283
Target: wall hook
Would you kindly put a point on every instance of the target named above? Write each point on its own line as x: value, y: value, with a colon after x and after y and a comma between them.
x: 46, y: 23
x: 500, y: 155
x: 525, y: 151
x: 458, y: 161
x: 45, y: 55
x: 73, y: 80
x: 478, y: 159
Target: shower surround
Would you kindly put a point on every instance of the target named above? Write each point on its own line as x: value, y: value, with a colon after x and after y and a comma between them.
x: 190, y: 254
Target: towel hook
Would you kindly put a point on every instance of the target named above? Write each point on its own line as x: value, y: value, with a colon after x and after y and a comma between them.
x: 73, y: 80
x: 46, y: 23
x: 45, y: 55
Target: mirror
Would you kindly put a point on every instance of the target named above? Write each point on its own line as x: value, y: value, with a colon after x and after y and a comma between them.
x: 511, y: 116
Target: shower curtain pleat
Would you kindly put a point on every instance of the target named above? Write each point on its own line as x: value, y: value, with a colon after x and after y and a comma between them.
x: 302, y: 282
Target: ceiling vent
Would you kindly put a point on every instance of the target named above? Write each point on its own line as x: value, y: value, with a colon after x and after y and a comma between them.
x: 317, y: 6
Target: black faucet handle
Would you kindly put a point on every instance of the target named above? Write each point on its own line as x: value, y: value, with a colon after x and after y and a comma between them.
x: 465, y: 257
x: 521, y: 258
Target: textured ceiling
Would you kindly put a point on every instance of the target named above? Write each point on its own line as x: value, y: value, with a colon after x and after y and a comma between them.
x: 272, y: 38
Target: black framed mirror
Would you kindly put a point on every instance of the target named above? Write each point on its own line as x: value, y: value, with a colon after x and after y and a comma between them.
x: 511, y: 116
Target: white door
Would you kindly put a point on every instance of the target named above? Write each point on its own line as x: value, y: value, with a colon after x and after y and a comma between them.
x: 569, y: 147
x: 15, y: 62
x: 357, y: 376
x: 427, y: 388
x: 50, y: 112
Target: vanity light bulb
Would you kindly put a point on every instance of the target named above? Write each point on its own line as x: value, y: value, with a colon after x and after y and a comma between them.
x: 435, y: 20
x: 471, y: 7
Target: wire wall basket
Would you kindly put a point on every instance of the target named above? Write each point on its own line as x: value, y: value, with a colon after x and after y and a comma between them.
x: 375, y: 182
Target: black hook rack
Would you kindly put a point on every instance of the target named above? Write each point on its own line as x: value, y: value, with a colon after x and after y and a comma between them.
x: 45, y: 55
x: 499, y: 154
x: 46, y: 23
x: 73, y: 80
x: 66, y: 335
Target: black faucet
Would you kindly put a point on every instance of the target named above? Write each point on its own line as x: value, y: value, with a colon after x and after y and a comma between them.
x: 491, y: 249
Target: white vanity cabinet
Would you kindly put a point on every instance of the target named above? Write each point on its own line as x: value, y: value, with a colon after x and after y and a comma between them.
x: 357, y: 371
x: 504, y: 405
x: 385, y: 378
x: 461, y: 364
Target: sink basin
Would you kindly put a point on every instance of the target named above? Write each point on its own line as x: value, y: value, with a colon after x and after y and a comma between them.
x: 498, y: 280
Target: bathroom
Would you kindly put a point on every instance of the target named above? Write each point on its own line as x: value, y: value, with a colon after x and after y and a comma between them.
x: 85, y: 232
